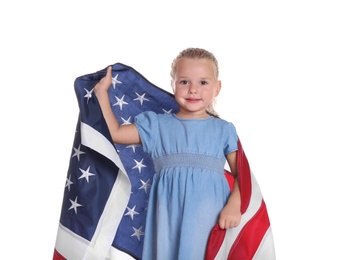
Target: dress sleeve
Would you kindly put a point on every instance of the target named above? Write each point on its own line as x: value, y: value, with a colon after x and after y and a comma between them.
x: 232, y: 139
x: 146, y: 123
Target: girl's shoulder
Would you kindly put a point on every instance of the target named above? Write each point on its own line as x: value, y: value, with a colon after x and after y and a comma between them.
x: 151, y: 116
x: 226, y: 126
x: 224, y: 121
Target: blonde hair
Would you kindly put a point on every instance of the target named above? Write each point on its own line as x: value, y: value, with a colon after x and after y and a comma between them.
x: 197, y: 53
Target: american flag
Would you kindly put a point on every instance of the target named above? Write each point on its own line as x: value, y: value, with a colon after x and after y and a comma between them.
x: 107, y: 185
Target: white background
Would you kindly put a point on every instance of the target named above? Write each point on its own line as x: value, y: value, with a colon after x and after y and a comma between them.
x: 281, y: 64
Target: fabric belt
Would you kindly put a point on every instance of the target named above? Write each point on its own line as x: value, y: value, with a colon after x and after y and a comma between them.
x: 210, y: 163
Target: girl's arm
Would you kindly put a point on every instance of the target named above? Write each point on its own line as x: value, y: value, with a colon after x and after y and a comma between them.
x: 125, y: 134
x: 230, y: 216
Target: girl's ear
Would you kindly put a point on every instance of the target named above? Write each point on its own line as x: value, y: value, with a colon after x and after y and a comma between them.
x: 219, y: 87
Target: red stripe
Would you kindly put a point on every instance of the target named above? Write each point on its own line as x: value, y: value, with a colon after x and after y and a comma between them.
x: 250, y: 236
x: 244, y: 177
x: 229, y: 178
x: 214, y: 242
x: 58, y: 256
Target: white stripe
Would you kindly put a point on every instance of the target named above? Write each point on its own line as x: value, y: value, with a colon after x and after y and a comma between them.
x: 119, y: 255
x: 231, y: 234
x: 100, y: 245
x: 266, y: 250
x: 72, y: 246
x: 116, y: 204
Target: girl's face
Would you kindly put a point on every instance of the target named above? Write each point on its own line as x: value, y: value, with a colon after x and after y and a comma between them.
x: 195, y: 86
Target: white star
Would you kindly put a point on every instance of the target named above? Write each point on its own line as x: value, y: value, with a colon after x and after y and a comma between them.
x: 86, y: 174
x: 133, y: 146
x: 145, y: 186
x: 131, y: 212
x: 74, y: 205
x: 139, y: 165
x: 115, y: 81
x: 141, y: 98
x: 78, y: 152
x: 68, y: 183
x: 127, y: 121
x: 138, y: 233
x: 167, y: 111
x: 88, y: 94
x: 120, y: 102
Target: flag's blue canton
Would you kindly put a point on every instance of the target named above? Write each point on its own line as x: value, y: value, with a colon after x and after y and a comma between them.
x: 91, y: 176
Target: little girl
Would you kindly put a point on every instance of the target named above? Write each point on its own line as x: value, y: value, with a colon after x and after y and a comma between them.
x: 189, y: 193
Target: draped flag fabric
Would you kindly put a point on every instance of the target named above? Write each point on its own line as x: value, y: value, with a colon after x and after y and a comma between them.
x: 107, y: 185
x: 253, y: 238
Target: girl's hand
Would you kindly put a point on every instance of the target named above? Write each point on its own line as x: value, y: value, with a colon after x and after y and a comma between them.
x: 230, y: 216
x: 103, y: 85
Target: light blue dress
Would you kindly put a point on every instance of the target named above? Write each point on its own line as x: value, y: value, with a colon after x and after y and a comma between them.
x: 189, y: 188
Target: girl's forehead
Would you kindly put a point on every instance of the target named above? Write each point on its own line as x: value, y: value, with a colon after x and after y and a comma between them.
x: 195, y: 65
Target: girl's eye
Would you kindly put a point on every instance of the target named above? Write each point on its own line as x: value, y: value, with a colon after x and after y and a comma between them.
x: 183, y: 82
x: 203, y: 82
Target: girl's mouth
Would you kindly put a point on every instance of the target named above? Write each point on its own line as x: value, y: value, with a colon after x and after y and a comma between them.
x: 192, y: 100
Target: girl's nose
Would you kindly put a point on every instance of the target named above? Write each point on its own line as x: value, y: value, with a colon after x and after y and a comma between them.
x: 192, y: 89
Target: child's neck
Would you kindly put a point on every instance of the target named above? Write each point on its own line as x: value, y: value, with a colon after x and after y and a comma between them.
x: 192, y: 115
